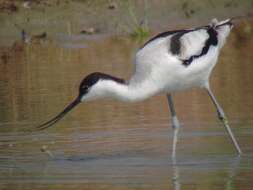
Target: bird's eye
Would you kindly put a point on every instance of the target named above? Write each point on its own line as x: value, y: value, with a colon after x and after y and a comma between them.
x: 85, y: 87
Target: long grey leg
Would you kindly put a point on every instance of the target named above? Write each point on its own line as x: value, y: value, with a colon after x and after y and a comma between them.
x: 175, y: 123
x: 224, y: 120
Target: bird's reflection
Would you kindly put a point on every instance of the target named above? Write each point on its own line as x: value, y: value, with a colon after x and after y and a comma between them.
x: 234, y: 166
x: 177, y: 180
x: 176, y: 174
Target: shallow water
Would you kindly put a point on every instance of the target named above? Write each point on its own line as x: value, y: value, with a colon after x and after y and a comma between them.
x: 113, y: 145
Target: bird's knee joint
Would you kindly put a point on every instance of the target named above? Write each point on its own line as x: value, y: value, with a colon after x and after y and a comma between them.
x: 175, y: 123
x: 221, y: 114
x: 223, y: 118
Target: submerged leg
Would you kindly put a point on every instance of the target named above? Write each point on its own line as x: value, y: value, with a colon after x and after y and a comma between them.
x: 175, y: 123
x: 224, y: 120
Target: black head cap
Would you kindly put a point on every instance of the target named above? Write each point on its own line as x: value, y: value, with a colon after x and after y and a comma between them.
x: 93, y: 78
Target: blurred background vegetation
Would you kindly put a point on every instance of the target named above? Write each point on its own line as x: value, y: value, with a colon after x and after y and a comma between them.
x: 118, y: 17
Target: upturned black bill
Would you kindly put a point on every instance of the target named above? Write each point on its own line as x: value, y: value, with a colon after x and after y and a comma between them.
x: 60, y: 115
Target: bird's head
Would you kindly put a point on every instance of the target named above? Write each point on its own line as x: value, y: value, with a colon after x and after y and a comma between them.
x: 93, y: 86
x: 222, y: 28
x: 97, y: 85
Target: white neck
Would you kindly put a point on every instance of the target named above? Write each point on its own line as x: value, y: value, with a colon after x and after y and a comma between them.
x: 129, y: 92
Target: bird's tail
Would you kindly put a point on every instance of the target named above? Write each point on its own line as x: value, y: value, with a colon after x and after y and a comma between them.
x: 237, y: 19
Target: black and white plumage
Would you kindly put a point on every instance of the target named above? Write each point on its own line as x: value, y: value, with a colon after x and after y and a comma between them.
x: 169, y: 62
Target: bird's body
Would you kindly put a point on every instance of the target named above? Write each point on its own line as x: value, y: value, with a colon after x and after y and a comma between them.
x: 169, y: 62
x: 155, y: 63
x: 163, y: 67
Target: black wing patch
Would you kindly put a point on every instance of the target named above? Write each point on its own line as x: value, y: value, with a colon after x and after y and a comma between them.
x: 211, y: 41
x: 163, y: 35
x: 171, y: 32
x: 175, y: 44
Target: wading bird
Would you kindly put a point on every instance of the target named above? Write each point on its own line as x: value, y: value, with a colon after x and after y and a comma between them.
x: 169, y: 62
